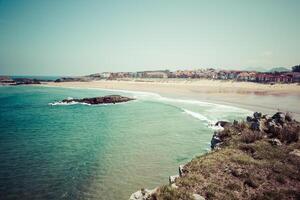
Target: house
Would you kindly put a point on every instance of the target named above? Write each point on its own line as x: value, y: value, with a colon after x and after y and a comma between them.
x: 296, y: 77
x: 244, y: 76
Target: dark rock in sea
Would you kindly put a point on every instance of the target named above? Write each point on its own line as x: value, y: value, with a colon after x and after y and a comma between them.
x: 111, y: 99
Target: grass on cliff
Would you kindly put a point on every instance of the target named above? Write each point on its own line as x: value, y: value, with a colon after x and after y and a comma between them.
x: 169, y: 193
x: 247, y: 166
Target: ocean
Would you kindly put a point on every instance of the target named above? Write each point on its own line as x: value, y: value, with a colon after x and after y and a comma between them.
x: 50, y: 150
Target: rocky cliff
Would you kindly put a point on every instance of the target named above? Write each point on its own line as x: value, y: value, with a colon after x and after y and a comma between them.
x: 258, y: 158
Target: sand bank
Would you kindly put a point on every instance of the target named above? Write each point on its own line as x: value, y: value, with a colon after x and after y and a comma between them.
x: 253, y: 96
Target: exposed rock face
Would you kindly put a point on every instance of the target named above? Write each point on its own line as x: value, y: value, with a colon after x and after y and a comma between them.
x: 181, y: 170
x: 111, y: 99
x: 215, y: 140
x: 142, y: 194
x: 173, y: 178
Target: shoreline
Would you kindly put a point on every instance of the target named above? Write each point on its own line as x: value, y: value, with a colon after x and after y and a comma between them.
x: 250, y: 96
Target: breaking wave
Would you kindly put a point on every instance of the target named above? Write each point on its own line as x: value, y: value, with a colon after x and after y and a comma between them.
x: 59, y: 103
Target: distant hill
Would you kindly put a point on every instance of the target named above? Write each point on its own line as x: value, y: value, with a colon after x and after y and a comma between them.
x: 279, y: 69
x: 275, y: 69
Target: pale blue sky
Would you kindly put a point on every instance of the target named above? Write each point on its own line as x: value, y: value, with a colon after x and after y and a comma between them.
x: 72, y: 37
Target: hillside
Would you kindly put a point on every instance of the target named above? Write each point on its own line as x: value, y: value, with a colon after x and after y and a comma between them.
x: 254, y: 159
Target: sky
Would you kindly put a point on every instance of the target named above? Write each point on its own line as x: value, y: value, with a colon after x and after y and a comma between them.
x: 79, y: 37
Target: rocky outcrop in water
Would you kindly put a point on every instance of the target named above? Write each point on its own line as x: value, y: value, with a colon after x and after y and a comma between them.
x: 6, y: 80
x: 111, y: 99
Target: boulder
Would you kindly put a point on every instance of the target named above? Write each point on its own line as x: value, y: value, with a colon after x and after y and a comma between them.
x: 275, y: 142
x: 257, y: 115
x: 111, y: 99
x: 142, y: 194
x: 274, y: 128
x: 198, y: 197
x: 222, y: 123
x: 295, y: 152
x: 214, y: 141
x: 262, y: 125
x: 255, y: 126
x: 279, y: 117
x: 249, y: 119
x: 267, y: 117
x: 181, y: 170
x: 172, y: 179
x: 288, y: 117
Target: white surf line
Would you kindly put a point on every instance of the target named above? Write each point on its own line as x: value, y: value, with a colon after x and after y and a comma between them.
x: 158, y: 97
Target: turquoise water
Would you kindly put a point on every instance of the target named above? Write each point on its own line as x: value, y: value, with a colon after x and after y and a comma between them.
x: 97, y: 152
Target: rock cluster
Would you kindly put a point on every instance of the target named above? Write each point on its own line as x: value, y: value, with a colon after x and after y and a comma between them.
x: 268, y: 126
x: 142, y: 194
x: 6, y: 80
x: 216, y: 140
x: 111, y: 99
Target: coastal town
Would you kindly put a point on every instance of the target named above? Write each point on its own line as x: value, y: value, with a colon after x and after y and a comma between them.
x: 271, y: 77
x: 287, y: 76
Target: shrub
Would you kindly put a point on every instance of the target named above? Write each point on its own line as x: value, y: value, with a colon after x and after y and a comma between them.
x: 168, y: 193
x: 250, y: 136
x: 247, y: 148
x: 234, y: 187
x: 280, y: 179
x: 289, y: 134
x: 224, y: 134
x: 251, y: 182
x: 243, y: 125
x: 270, y: 195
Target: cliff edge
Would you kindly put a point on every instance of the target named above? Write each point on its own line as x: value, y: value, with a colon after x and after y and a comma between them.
x: 258, y: 158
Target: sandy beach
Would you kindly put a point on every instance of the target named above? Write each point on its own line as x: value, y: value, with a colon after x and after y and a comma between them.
x: 256, y: 97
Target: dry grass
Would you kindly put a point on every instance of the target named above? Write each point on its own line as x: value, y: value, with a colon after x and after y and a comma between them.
x: 168, y: 193
x: 249, y: 136
x: 246, y: 167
